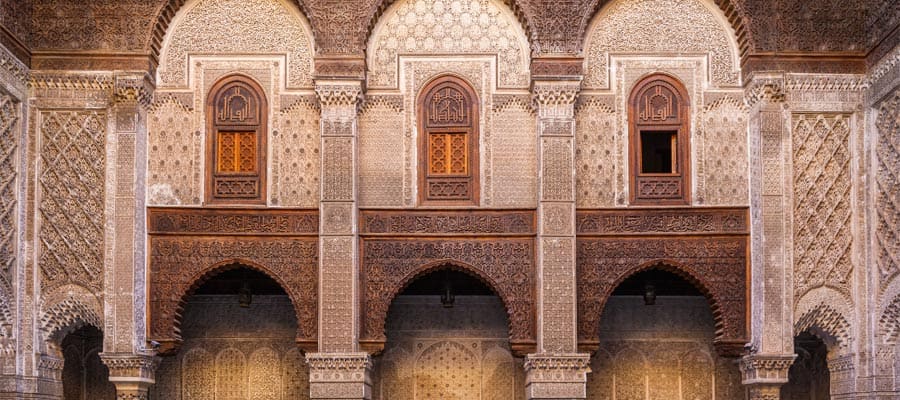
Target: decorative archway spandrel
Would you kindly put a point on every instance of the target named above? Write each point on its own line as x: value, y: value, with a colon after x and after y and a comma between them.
x: 711, y: 252
x: 507, y: 265
x: 188, y: 246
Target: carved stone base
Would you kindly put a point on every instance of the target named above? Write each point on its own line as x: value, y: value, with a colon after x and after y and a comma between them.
x: 556, y: 376
x: 764, y: 374
x: 132, y: 374
x: 334, y: 376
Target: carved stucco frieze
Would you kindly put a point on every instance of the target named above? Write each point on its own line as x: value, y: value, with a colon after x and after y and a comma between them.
x: 339, y: 375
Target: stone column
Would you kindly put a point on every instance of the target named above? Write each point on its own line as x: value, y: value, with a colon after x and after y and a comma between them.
x: 556, y: 371
x: 339, y: 370
x: 772, y: 343
x: 132, y: 374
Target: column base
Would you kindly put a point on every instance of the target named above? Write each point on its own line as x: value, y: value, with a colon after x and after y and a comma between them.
x: 556, y: 376
x: 339, y: 376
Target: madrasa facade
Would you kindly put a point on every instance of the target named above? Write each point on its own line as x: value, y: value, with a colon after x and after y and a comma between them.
x: 449, y: 199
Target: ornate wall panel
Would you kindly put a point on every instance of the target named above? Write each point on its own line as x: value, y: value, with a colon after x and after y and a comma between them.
x: 189, y: 245
x: 513, y: 180
x: 9, y: 150
x: 72, y: 182
x: 233, y: 26
x: 822, y: 237
x: 887, y: 180
x: 175, y: 162
x: 711, y: 252
x: 459, y: 27
x: 435, y: 352
x: 596, y: 144
x: 104, y: 24
x: 233, y: 352
x: 294, y: 160
x: 722, y: 178
x: 692, y: 28
x: 381, y: 134
x: 779, y: 26
x: 662, y: 351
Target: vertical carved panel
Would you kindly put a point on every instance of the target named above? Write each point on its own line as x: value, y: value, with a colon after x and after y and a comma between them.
x: 295, y: 156
x: 513, y: 179
x: 265, y: 376
x: 199, y: 375
x: 498, y: 375
x: 630, y: 370
x: 822, y: 236
x: 887, y: 229
x: 595, y: 155
x: 231, y: 375
x: 72, y: 182
x: 600, y: 381
x: 722, y: 179
x: 557, y: 169
x: 174, y: 160
x: 9, y: 118
x: 338, y: 169
x: 697, y: 376
x: 381, y: 131
x: 296, y: 376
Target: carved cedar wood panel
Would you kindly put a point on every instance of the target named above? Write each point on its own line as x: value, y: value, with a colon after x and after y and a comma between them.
x: 710, y: 251
x: 189, y: 246
x: 498, y: 249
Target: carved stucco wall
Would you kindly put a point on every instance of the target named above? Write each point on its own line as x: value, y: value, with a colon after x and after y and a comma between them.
x: 887, y: 197
x: 388, y: 144
x: 231, y: 352
x: 236, y: 27
x: 448, y: 27
x: 441, y: 353
x: 662, y: 351
x: 71, y: 180
x: 822, y: 210
x: 692, y: 27
x: 9, y: 118
x: 282, y: 64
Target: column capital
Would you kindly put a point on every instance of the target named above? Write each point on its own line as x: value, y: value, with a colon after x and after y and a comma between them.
x: 339, y: 93
x: 133, y: 88
x: 340, y: 376
x: 766, y: 369
x: 764, y: 88
x: 556, y: 375
x: 132, y: 374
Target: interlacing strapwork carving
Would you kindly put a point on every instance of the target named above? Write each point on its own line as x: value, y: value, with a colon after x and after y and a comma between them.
x: 595, y: 155
x: 9, y: 118
x: 887, y: 180
x: 822, y: 236
x: 722, y: 179
x: 72, y: 183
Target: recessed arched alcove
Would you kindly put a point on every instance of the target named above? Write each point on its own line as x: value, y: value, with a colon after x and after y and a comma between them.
x: 656, y: 341
x: 447, y: 337
x: 238, y: 329
x: 84, y: 376
x: 808, y: 377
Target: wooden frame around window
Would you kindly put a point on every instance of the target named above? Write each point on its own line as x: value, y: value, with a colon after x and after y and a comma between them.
x: 659, y: 104
x: 448, y: 118
x: 236, y: 130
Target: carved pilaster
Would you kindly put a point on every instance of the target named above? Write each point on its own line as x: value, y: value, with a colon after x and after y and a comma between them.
x: 132, y: 374
x: 334, y: 376
x: 770, y: 208
x: 556, y: 376
x: 556, y: 371
x: 764, y: 374
x: 338, y: 225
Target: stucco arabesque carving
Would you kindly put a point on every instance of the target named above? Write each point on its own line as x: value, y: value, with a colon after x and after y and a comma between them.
x: 339, y: 95
x: 134, y: 89
x: 556, y: 99
x: 130, y: 365
x: 338, y: 362
x: 769, y: 89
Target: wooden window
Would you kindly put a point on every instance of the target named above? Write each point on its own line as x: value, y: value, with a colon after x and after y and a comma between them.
x: 236, y: 142
x: 448, y: 122
x: 659, y: 115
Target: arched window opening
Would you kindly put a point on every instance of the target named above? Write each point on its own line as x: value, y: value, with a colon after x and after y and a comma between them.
x: 656, y: 336
x: 239, y: 330
x: 84, y: 375
x: 236, y: 115
x: 808, y: 378
x: 448, y: 143
x: 447, y: 337
x: 659, y: 116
